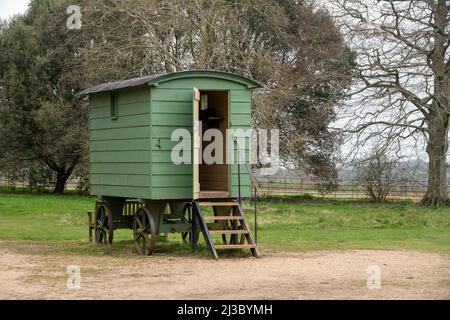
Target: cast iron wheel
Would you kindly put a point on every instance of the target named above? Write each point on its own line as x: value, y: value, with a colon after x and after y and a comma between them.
x: 104, y: 231
x: 186, y: 236
x: 144, y: 231
x: 225, y: 225
x: 232, y: 238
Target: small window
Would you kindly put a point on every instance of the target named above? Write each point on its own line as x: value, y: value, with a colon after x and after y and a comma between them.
x: 114, y: 106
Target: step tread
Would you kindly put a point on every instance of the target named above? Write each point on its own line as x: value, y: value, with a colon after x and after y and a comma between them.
x: 228, y: 232
x: 223, y: 218
x: 235, y: 246
x: 218, y: 204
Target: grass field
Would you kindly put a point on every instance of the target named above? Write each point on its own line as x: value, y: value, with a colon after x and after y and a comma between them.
x: 283, y: 224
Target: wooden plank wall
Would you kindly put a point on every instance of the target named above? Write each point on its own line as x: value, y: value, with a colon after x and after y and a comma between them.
x: 172, y: 109
x: 120, y: 148
x: 241, y: 101
x: 131, y: 156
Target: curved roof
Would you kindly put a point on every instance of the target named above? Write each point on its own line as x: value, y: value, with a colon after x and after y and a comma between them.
x: 155, y: 79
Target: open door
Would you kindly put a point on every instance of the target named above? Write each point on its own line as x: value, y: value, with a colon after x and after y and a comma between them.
x: 196, y: 141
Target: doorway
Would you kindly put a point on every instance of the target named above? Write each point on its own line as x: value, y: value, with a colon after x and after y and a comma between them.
x: 214, y: 114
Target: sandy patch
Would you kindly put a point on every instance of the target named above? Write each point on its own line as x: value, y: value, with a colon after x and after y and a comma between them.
x: 320, y: 275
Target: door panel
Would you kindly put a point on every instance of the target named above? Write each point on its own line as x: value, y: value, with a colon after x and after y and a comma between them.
x: 196, y: 140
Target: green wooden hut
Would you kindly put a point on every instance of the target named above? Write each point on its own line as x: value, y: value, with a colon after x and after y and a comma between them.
x: 130, y: 128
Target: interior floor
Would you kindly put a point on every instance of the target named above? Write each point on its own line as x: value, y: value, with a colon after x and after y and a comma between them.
x: 211, y: 194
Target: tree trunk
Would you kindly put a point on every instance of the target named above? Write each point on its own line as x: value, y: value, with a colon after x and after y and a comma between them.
x: 61, y: 179
x: 437, y: 165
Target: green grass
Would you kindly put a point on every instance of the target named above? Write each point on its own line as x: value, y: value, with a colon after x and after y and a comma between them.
x: 316, y: 225
x: 289, y: 224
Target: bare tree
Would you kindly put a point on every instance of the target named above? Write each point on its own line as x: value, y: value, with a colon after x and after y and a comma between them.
x: 289, y: 45
x: 403, y: 73
x: 377, y: 173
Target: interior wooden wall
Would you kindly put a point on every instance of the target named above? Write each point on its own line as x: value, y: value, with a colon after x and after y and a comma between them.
x: 215, y: 177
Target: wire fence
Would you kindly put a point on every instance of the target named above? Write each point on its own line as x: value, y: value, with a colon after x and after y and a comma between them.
x: 291, y: 186
x: 72, y: 184
x: 346, y: 190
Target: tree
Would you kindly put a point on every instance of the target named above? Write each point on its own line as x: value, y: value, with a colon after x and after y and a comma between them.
x: 40, y: 117
x: 403, y: 77
x: 288, y: 45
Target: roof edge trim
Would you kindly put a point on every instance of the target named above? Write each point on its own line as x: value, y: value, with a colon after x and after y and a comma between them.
x: 205, y: 73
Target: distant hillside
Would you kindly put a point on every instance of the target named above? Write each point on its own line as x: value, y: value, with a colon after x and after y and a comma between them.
x: 406, y: 172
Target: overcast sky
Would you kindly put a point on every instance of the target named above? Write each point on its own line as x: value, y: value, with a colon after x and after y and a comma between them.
x: 11, y: 7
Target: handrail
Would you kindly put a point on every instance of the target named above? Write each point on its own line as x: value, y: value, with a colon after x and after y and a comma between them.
x: 250, y: 173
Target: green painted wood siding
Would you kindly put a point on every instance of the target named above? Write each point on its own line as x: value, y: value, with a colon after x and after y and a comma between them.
x: 172, y: 109
x: 131, y: 156
x: 120, y: 149
x: 240, y: 114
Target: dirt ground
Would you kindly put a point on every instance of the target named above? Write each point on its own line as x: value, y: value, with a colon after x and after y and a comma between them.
x: 319, y: 275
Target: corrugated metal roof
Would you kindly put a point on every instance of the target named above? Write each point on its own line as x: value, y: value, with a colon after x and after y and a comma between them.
x: 146, y: 79
x: 120, y: 84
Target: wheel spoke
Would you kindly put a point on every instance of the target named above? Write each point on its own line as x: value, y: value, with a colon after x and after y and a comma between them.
x: 103, y: 224
x: 139, y: 237
x: 102, y: 215
x: 139, y: 221
x: 144, y: 231
x: 144, y: 219
x: 101, y: 236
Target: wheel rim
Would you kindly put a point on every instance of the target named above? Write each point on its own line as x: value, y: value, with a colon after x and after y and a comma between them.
x: 103, y: 225
x: 186, y: 236
x: 144, y: 231
x: 232, y: 238
x: 226, y: 225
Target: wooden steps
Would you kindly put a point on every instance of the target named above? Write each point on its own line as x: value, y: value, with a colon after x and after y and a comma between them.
x: 235, y: 225
x: 235, y: 246
x: 218, y: 204
x: 223, y: 218
x: 228, y: 231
